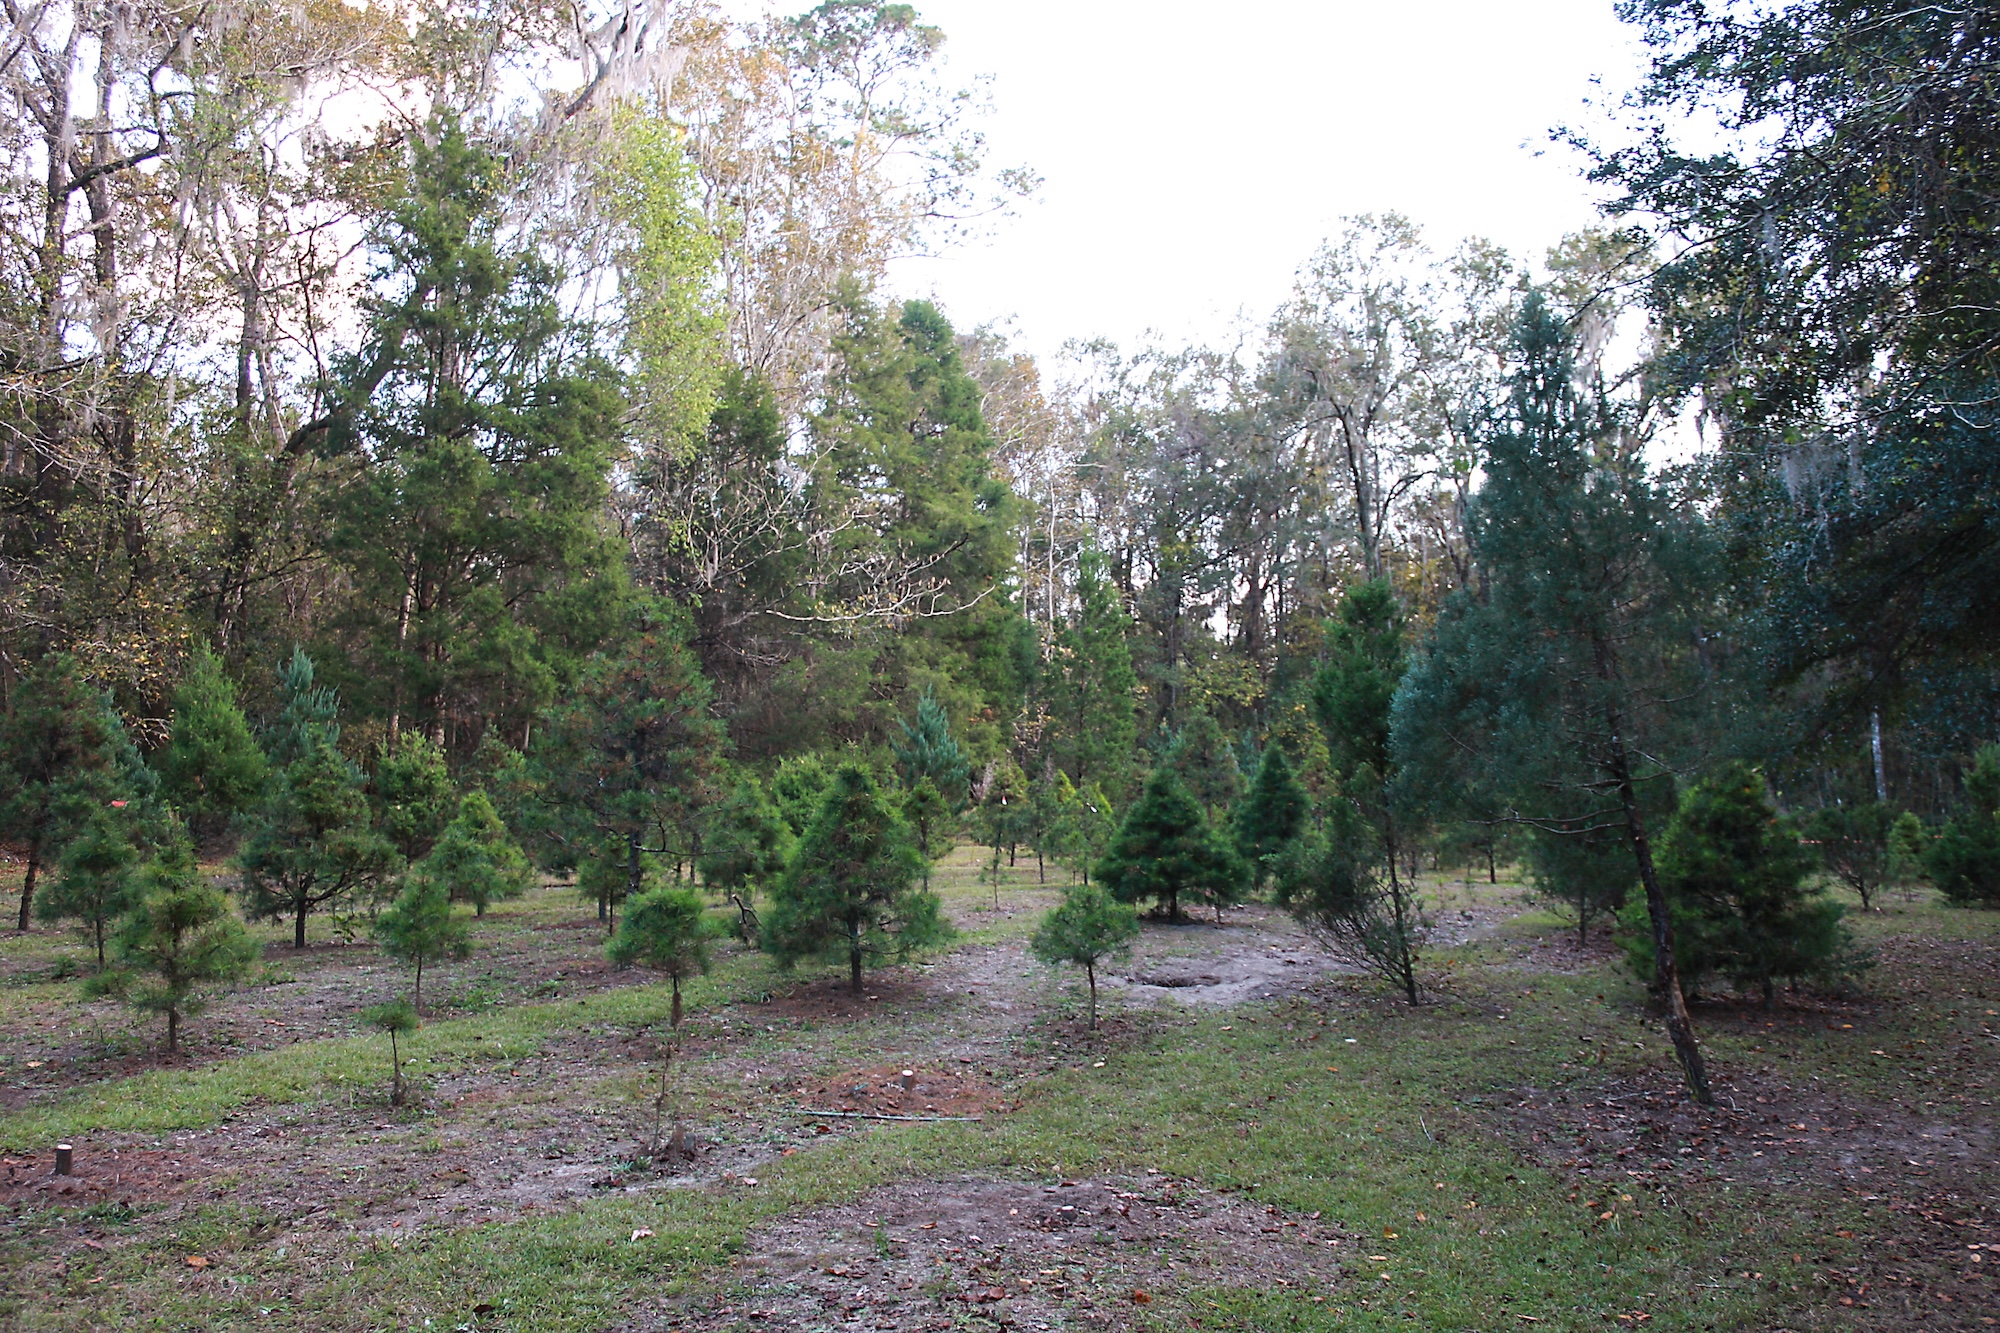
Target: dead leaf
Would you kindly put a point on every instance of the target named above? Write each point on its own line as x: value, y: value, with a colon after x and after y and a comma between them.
x: 1141, y: 1298
x: 642, y: 1233
x: 197, y: 1261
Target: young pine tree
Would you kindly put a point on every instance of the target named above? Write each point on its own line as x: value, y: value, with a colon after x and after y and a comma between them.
x: 180, y: 943
x: 1206, y: 763
x: 97, y: 878
x: 1736, y: 876
x: 664, y: 928
x: 475, y: 858
x: 56, y: 764
x: 1086, y: 928
x: 850, y: 891
x: 1271, y: 816
x: 1852, y: 843
x: 419, y: 927
x: 1964, y: 859
x: 312, y: 844
x: 1584, y: 869
x: 412, y: 794
x: 212, y: 771
x: 926, y: 750
x: 1096, y: 688
x: 1166, y: 850
x: 398, y: 1019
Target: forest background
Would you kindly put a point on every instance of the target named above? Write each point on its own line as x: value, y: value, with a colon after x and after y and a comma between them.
x: 513, y: 381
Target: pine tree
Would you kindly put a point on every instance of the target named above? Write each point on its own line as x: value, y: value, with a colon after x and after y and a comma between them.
x: 97, y: 878
x: 475, y: 858
x: 1964, y: 859
x: 1058, y: 820
x: 850, y: 891
x: 926, y: 750
x: 747, y: 841
x: 1271, y: 816
x: 56, y: 764
x: 1097, y: 686
x: 1586, y: 868
x: 1207, y: 766
x: 1096, y: 825
x: 1166, y: 849
x: 1570, y: 677
x: 1086, y: 928
x: 419, y: 927
x: 178, y: 944
x: 930, y: 817
x: 1852, y: 843
x: 799, y: 788
x: 1006, y: 811
x: 412, y: 794
x: 625, y: 764
x: 1736, y: 877
x: 664, y: 928
x: 397, y: 1018
x: 313, y: 843
x: 212, y: 770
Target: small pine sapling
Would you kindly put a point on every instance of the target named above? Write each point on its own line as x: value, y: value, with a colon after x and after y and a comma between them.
x: 664, y: 928
x: 1086, y: 928
x: 1852, y: 842
x: 419, y: 927
x: 930, y: 815
x: 475, y: 858
x: 178, y: 944
x: 398, y: 1019
x: 96, y: 879
x: 1964, y: 859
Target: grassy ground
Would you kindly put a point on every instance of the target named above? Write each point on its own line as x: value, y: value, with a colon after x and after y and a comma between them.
x: 1258, y: 1141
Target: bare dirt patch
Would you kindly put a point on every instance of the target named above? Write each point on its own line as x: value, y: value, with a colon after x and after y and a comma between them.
x: 126, y: 1176
x: 932, y: 1255
x: 1258, y: 953
x: 883, y: 1090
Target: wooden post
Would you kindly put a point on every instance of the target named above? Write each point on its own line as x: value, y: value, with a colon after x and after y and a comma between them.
x: 63, y: 1159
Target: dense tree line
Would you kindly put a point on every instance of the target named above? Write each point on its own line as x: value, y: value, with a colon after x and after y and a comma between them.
x: 483, y: 484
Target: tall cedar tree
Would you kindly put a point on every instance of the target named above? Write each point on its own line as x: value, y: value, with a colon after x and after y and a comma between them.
x: 1084, y: 929
x: 1569, y: 676
x: 1097, y: 688
x: 313, y: 843
x: 926, y: 750
x: 664, y: 928
x: 179, y: 943
x: 850, y: 892
x: 1735, y: 875
x: 212, y: 770
x: 480, y: 426
x: 1964, y: 859
x: 1272, y: 814
x: 1166, y: 849
x: 56, y: 764
x: 626, y: 762
x: 475, y: 858
x: 419, y: 927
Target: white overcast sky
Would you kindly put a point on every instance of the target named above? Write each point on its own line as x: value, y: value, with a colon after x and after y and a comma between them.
x: 1194, y: 154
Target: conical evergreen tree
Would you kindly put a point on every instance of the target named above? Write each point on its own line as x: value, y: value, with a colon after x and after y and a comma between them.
x: 747, y: 841
x: 664, y: 928
x: 1272, y: 814
x: 57, y: 764
x: 475, y: 858
x: 1206, y: 763
x: 1097, y: 686
x: 1964, y: 860
x: 212, y: 770
x: 926, y: 750
x: 96, y: 880
x: 412, y: 794
x: 1166, y: 850
x: 419, y: 927
x: 850, y: 892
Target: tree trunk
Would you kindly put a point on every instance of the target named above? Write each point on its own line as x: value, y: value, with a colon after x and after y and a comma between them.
x: 99, y: 924
x: 1492, y: 872
x: 1090, y: 971
x: 173, y: 1030
x: 395, y: 1070
x: 417, y: 996
x: 28, y: 882
x: 299, y: 923
x: 854, y: 968
x: 675, y: 1020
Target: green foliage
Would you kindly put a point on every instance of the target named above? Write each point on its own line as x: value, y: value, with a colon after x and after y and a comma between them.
x: 1271, y: 816
x: 1964, y: 859
x: 1585, y: 868
x: 1165, y: 849
x: 850, y: 891
x: 1339, y: 884
x: 926, y: 752
x: 412, y: 794
x: 1206, y: 764
x: 746, y: 841
x: 477, y: 426
x: 212, y: 769
x: 398, y: 1018
x: 308, y: 719
x: 1058, y: 813
x: 799, y: 788
x: 1096, y: 687
x: 419, y: 927
x: 1352, y: 693
x: 1007, y: 810
x: 1852, y: 843
x: 664, y: 928
x: 475, y: 858
x: 1086, y: 928
x: 57, y: 763
x: 930, y: 815
x: 179, y: 943
x: 1735, y: 874
x: 313, y: 842
x: 96, y: 879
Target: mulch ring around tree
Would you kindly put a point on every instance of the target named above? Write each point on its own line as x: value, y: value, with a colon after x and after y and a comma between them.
x: 111, y: 1175
x: 883, y: 1090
